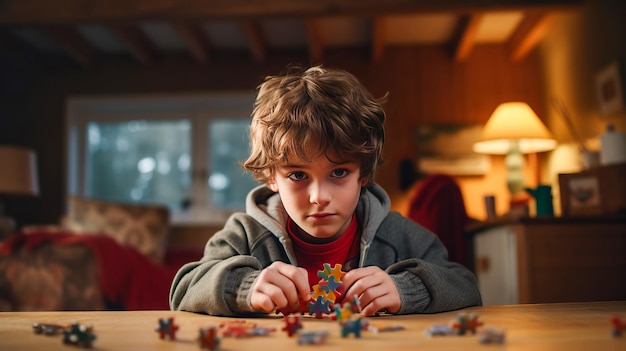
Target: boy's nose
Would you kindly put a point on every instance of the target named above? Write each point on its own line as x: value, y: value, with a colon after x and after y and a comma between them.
x: 319, y: 194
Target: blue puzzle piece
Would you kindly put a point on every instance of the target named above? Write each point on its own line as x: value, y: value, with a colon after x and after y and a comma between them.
x: 319, y: 307
x: 331, y: 285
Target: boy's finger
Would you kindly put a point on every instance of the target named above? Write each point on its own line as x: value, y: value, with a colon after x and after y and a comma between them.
x: 299, y: 278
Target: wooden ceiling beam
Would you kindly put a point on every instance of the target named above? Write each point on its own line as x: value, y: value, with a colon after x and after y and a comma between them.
x: 135, y: 41
x: 196, y: 41
x: 465, y: 40
x: 529, y: 33
x: 258, y: 47
x: 314, y: 41
x: 72, y: 42
x: 71, y: 11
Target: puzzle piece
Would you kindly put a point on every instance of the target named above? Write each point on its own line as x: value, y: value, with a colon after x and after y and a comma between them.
x: 292, y: 324
x: 353, y: 326
x: 325, y: 293
x: 330, y: 285
x: 79, y: 335
x: 329, y: 271
x: 320, y: 291
x: 319, y: 307
x: 208, y: 338
x: 167, y: 328
x: 312, y: 337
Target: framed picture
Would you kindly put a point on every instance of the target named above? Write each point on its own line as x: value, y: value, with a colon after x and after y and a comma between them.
x: 609, y: 88
x: 597, y: 191
x: 447, y: 149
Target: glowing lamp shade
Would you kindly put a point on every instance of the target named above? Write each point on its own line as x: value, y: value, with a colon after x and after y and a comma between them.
x: 18, y: 171
x: 18, y: 177
x: 514, y: 129
x: 514, y: 121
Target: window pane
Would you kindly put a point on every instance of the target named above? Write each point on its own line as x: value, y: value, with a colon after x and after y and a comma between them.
x: 139, y: 161
x: 229, y: 146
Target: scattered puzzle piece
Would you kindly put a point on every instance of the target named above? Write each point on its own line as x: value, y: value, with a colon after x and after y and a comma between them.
x: 312, y: 337
x: 292, y: 324
x: 243, y: 329
x: 79, y: 335
x: 619, y: 325
x: 464, y: 322
x: 353, y: 325
x: 491, y: 336
x: 208, y: 338
x: 48, y: 329
x: 167, y: 328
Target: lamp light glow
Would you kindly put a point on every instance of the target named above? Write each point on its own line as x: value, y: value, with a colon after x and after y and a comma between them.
x: 514, y: 129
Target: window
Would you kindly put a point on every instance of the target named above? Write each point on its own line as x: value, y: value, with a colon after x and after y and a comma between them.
x: 179, y: 151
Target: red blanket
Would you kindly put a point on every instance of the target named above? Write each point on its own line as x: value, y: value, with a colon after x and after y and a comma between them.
x: 127, y: 278
x: 438, y: 205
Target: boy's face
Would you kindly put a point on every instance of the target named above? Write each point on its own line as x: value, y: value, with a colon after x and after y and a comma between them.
x: 319, y: 196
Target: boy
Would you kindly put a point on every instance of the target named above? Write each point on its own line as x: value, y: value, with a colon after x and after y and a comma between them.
x: 317, y: 137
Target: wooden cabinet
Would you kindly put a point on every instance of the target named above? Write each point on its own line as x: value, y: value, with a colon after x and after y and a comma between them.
x: 539, y: 260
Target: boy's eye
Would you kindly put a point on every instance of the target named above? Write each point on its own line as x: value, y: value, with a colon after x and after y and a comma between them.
x: 339, y: 173
x: 296, y: 176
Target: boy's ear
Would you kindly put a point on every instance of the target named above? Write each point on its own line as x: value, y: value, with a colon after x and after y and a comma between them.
x: 363, y: 181
x: 272, y: 185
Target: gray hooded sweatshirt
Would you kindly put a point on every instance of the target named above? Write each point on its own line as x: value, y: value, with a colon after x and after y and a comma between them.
x: 220, y: 283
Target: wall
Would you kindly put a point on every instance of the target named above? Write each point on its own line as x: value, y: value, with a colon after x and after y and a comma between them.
x: 424, y: 86
x: 579, y: 45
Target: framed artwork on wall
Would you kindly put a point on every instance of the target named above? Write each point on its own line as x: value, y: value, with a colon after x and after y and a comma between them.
x: 610, y: 88
x: 447, y: 149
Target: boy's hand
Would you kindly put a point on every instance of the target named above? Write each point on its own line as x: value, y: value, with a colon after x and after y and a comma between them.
x: 374, y: 289
x: 280, y: 286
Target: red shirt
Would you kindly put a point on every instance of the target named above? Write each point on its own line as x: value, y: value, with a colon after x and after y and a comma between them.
x: 344, y: 250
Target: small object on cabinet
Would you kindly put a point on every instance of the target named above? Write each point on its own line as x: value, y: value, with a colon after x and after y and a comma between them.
x: 167, y: 328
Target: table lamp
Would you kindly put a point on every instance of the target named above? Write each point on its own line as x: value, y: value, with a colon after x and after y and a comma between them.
x: 513, y: 130
x: 18, y: 177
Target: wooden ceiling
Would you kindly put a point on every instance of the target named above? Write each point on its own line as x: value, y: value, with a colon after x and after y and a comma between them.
x: 89, y: 32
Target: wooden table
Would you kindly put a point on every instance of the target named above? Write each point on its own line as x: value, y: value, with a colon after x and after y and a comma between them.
x: 567, y: 326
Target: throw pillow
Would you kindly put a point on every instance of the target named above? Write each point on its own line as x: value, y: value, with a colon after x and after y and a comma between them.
x: 143, y: 227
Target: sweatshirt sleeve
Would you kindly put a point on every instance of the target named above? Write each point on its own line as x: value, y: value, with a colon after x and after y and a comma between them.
x: 220, y: 283
x: 426, y: 280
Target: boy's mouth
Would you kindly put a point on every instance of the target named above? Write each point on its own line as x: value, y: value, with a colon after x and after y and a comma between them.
x: 320, y: 215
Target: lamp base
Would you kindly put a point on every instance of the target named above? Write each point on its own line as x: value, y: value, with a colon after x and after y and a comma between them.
x: 515, y: 163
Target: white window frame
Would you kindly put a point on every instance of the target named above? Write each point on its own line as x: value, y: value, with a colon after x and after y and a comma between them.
x: 199, y: 108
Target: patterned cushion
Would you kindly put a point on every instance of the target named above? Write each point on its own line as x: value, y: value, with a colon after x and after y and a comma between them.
x: 143, y: 227
x: 50, y: 278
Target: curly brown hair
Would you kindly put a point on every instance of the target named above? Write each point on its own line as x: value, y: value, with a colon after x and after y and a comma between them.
x: 327, y: 109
